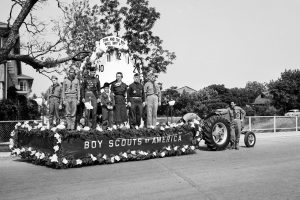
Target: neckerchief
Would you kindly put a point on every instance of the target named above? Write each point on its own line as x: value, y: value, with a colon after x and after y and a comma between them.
x: 154, y: 88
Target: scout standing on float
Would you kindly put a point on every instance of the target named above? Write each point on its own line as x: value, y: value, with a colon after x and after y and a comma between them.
x: 119, y: 90
x: 54, y: 94
x: 108, y: 103
x: 136, y: 101
x: 153, y: 100
x: 71, y: 97
x: 91, y: 92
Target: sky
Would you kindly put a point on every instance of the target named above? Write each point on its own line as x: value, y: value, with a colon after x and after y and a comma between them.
x: 216, y: 42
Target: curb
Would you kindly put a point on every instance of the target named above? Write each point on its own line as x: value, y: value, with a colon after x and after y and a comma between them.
x: 4, y: 147
x: 4, y: 154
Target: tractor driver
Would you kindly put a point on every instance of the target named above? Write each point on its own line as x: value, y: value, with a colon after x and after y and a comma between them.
x: 236, y: 115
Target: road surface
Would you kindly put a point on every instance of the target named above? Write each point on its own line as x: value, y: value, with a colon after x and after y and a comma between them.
x: 271, y: 170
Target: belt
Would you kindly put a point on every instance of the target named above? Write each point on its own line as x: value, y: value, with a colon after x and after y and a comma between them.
x: 151, y: 94
x: 54, y: 97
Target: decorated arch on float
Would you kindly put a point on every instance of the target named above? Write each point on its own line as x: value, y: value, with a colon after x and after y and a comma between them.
x: 111, y: 55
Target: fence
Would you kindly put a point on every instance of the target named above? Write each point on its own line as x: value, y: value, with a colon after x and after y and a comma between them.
x: 6, y: 127
x: 271, y: 123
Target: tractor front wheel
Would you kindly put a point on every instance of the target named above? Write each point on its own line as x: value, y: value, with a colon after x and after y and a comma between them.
x: 249, y: 139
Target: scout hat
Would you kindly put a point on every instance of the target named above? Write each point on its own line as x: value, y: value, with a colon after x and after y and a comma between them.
x: 54, y: 77
x: 106, y: 85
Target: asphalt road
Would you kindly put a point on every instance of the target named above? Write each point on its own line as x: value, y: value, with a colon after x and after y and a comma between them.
x: 271, y: 170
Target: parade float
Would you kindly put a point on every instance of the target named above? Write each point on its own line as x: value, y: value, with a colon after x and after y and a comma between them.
x: 60, y: 148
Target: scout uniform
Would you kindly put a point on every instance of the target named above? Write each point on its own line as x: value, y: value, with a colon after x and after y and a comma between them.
x: 91, y: 92
x: 108, y: 103
x: 120, y: 111
x: 135, y: 95
x: 71, y: 96
x: 153, y: 99
x: 54, y: 97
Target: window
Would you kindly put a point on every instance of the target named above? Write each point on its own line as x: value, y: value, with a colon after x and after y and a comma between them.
x: 23, y: 85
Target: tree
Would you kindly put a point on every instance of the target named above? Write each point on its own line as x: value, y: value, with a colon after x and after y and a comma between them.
x: 286, y: 90
x: 85, y: 24
x: 254, y: 89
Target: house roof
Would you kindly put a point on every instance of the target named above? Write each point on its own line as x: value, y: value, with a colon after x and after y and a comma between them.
x: 261, y: 100
x: 22, y: 76
x: 186, y: 87
x: 3, y: 25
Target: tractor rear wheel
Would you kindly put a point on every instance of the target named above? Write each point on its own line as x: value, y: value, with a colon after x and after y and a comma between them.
x: 216, y: 132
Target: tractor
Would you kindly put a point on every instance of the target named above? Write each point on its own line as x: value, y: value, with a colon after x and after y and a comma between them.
x: 216, y: 131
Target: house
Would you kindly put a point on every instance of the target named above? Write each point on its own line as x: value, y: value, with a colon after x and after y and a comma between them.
x: 262, y: 100
x: 186, y: 89
x: 11, y: 73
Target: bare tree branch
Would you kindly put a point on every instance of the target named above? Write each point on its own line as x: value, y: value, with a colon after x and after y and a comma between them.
x: 48, y: 63
x: 10, y: 13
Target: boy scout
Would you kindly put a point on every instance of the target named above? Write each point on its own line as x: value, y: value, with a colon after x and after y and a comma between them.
x: 71, y: 97
x: 54, y: 97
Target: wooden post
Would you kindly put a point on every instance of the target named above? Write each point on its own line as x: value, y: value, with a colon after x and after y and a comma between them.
x: 296, y: 123
x: 274, y: 124
x: 250, y: 124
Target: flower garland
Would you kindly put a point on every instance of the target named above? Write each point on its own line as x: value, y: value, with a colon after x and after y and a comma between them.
x: 59, y: 133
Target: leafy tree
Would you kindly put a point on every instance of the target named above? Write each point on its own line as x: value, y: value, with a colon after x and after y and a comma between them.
x: 286, y: 90
x: 86, y: 24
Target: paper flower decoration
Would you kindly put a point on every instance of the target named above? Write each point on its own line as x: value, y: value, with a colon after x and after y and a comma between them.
x: 117, y: 158
x: 125, y: 155
x: 56, y: 135
x: 86, y: 128
x: 32, y: 153
x: 61, y: 126
x: 78, y: 128
x: 64, y: 161
x: 88, y: 105
x: 171, y: 103
x: 42, y: 156
x: 17, y: 125
x: 12, y: 133
x: 56, y: 148
x: 78, y: 162
x: 53, y: 158
x: 38, y: 154
x: 99, y: 128
x: 93, y: 157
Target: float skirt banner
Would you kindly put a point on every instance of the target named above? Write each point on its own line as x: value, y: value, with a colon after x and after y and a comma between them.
x: 79, y: 147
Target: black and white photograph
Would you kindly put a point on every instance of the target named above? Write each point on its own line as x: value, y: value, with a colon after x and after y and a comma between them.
x: 149, y: 99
